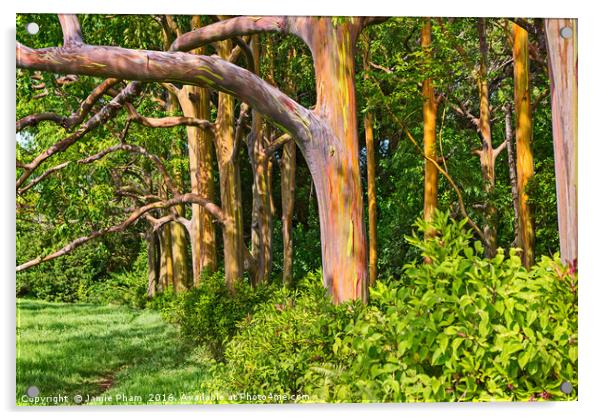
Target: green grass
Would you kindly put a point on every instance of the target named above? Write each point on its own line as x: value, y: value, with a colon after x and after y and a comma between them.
x: 116, y: 351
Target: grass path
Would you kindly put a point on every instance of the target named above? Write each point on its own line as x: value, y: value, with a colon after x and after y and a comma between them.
x: 123, y: 355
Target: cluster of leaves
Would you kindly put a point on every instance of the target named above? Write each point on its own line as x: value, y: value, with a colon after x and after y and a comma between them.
x: 209, y: 313
x: 462, y: 328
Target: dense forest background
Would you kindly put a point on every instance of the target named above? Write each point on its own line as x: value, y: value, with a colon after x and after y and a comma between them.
x: 475, y: 298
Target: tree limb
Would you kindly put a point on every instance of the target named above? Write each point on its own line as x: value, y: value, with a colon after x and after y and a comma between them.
x: 212, y: 208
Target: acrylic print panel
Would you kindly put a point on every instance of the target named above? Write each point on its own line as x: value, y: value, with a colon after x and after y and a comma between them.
x: 295, y: 209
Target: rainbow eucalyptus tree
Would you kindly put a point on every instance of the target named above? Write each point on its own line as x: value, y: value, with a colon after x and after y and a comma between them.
x: 326, y: 135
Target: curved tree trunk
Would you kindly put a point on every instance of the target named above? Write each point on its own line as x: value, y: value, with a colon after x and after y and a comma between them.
x: 524, y: 134
x: 333, y: 158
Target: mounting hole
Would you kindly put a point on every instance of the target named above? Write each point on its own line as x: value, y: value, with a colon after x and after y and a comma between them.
x: 33, y: 391
x: 566, y: 387
x: 566, y: 32
x: 32, y: 28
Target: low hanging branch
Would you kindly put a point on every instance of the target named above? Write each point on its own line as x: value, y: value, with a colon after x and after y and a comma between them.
x: 212, y: 208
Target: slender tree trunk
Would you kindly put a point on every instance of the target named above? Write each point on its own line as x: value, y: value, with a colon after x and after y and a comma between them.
x: 524, y: 134
x: 230, y: 189
x: 429, y: 113
x: 486, y: 154
x: 179, y: 241
x: 194, y: 102
x: 333, y: 158
x: 288, y: 165
x: 167, y: 269
x: 512, y: 169
x: 371, y: 179
x: 562, y: 62
x: 261, y: 222
x: 153, y: 261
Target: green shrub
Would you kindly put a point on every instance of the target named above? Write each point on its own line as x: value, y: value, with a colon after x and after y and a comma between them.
x: 463, y: 328
x: 275, y: 347
x: 209, y: 313
x: 125, y: 288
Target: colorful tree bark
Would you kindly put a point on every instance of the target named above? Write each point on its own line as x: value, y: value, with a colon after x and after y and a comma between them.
x: 562, y: 63
x: 524, y: 135
x: 429, y: 114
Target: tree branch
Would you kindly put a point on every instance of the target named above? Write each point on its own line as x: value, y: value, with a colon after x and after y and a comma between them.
x: 158, y: 66
x: 106, y: 113
x: 167, y: 122
x: 212, y: 208
x: 230, y: 28
x: 72, y: 33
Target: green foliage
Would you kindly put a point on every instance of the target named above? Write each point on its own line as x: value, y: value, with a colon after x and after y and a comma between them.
x: 125, y: 288
x: 278, y: 343
x: 462, y: 328
x: 209, y: 313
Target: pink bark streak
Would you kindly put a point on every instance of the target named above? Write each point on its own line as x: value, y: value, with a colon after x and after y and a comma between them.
x: 562, y: 62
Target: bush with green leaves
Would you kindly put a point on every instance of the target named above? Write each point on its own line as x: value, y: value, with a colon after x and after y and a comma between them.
x: 463, y: 328
x: 276, y: 345
x: 208, y: 314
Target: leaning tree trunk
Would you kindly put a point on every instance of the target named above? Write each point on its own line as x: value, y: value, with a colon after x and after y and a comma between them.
x: 562, y: 62
x: 524, y: 134
x: 429, y: 113
x: 333, y: 158
x: 229, y: 182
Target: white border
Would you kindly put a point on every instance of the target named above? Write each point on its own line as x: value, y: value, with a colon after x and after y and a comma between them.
x: 589, y: 199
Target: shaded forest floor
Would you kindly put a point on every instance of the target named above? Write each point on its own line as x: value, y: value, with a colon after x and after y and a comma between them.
x: 105, y: 354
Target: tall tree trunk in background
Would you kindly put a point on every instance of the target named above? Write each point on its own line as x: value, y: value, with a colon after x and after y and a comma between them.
x: 512, y: 169
x: 179, y: 241
x: 288, y: 167
x: 524, y: 135
x: 152, y: 260
x: 332, y: 155
x: 429, y: 113
x: 195, y: 102
x: 562, y: 63
x: 229, y: 181
x: 166, y: 271
x: 261, y: 220
x: 486, y: 153
x: 371, y: 179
